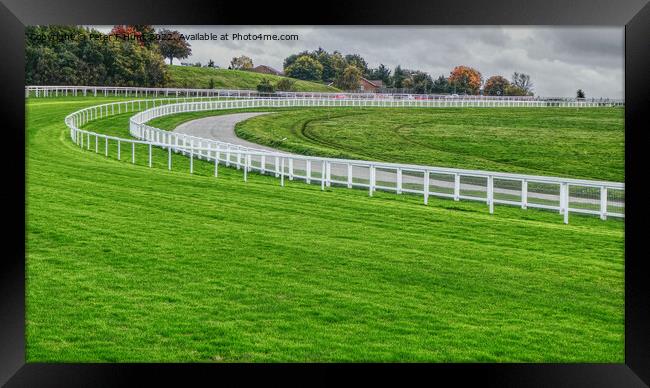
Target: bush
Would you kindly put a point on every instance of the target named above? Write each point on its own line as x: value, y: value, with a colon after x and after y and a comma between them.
x: 285, y: 84
x: 265, y: 86
x: 513, y: 90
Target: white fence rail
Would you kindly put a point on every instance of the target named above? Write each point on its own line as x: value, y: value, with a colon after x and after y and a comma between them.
x: 106, y: 91
x: 565, y: 195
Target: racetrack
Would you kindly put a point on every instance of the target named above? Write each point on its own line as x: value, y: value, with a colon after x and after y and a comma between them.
x: 222, y: 128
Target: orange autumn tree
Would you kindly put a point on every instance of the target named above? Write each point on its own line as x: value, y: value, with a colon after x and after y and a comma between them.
x: 464, y: 79
x: 127, y: 32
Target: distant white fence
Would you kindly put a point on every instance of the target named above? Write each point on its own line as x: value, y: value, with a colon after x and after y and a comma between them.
x: 142, y: 92
x: 565, y: 195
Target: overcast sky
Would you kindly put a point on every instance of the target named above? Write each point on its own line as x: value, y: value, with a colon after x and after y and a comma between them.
x: 559, y: 60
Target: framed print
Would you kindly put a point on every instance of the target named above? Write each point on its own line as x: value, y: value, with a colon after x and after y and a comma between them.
x: 448, y: 192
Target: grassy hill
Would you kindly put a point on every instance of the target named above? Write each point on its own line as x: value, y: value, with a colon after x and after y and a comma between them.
x: 130, y: 263
x: 199, y: 78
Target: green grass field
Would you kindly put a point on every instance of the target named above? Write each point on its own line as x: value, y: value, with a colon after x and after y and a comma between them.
x: 568, y: 142
x: 199, y: 77
x: 130, y: 263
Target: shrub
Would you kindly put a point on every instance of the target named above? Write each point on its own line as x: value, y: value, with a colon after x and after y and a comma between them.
x: 265, y: 86
x: 285, y: 84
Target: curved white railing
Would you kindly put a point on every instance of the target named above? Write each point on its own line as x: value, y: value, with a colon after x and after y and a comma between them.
x: 47, y: 91
x: 565, y: 195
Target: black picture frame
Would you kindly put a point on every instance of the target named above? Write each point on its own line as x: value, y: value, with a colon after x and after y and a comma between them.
x: 633, y: 14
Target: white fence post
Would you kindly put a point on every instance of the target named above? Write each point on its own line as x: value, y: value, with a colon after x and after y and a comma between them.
x: 456, y: 187
x: 246, y: 165
x: 426, y: 187
x: 565, y: 202
x: 328, y: 174
x: 149, y: 154
x: 490, y: 193
x: 290, y: 169
x: 349, y: 176
x: 524, y: 194
x: 308, y: 171
x: 603, y: 203
x: 282, y: 172
x: 371, y: 182
x: 322, y: 176
x: 192, y: 156
x: 398, y: 182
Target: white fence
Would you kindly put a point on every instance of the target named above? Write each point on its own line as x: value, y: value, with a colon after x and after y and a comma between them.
x: 106, y: 91
x: 565, y: 195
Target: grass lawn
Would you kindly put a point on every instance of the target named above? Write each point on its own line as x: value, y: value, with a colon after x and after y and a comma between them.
x: 130, y: 263
x: 577, y: 143
x: 199, y: 77
x: 580, y: 143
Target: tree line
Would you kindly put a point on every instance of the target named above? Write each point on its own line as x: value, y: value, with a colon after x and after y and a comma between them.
x: 127, y: 56
x: 134, y: 55
x: 345, y: 71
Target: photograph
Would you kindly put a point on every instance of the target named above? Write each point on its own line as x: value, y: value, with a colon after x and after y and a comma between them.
x: 311, y: 194
x: 460, y: 196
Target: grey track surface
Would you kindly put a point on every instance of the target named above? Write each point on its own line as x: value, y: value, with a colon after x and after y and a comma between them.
x: 222, y: 128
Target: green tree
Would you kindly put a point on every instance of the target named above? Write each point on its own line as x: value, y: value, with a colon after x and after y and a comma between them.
x: 88, y: 60
x: 265, y: 86
x: 349, y: 78
x: 420, y: 82
x: 514, y: 90
x: 285, y: 84
x: 338, y: 65
x: 398, y: 77
x: 305, y: 68
x: 173, y: 46
x: 522, y: 81
x: 241, y: 63
x: 440, y: 85
x: 381, y: 72
x: 325, y: 59
x: 210, y: 63
x: 496, y: 86
x: 147, y: 33
x: 358, y: 61
x: 288, y: 61
x: 580, y: 93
